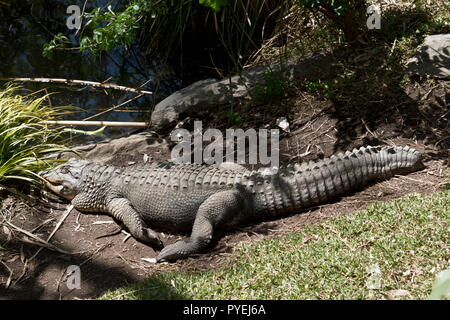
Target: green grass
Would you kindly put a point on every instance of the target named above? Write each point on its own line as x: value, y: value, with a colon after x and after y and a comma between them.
x: 406, y: 239
x: 24, y: 140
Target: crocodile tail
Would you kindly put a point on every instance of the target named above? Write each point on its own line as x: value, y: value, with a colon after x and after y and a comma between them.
x: 308, y: 184
x: 326, y: 179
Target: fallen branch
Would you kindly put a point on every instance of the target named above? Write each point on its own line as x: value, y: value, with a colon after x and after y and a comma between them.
x: 45, y: 245
x: 68, y: 211
x: 95, y: 123
x: 8, y: 282
x: 38, y: 241
x: 78, y: 82
x: 113, y: 108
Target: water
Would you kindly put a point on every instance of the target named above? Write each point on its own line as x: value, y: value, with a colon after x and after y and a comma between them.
x: 25, y: 25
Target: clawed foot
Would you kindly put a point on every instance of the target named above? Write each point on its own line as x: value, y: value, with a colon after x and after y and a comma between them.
x: 177, y: 250
x: 148, y: 235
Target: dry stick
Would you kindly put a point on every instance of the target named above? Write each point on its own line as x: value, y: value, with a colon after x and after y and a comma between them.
x: 411, y: 179
x: 95, y: 123
x: 39, y: 242
x: 95, y: 252
x: 58, y: 225
x: 368, y: 130
x: 43, y: 244
x: 22, y: 196
x: 8, y: 282
x: 41, y: 225
x: 113, y: 108
x: 78, y: 82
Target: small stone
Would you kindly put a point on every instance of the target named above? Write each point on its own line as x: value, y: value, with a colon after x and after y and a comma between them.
x: 283, y: 124
x: 150, y: 260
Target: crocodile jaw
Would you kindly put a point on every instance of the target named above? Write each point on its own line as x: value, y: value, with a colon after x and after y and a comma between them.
x: 64, y: 180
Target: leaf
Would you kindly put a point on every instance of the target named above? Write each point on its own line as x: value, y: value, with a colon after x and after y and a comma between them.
x: 216, y: 5
x: 441, y: 286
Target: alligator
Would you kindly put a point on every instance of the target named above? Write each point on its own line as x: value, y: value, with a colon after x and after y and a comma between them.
x: 202, y: 198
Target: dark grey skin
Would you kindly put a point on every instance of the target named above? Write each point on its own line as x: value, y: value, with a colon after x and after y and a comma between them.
x: 201, y: 198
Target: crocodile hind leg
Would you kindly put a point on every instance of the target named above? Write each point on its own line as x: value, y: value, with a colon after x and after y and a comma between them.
x: 218, y: 209
x: 121, y: 209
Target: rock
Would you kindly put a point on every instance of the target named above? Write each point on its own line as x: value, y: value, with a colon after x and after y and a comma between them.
x: 432, y: 58
x: 283, y: 124
x: 211, y: 92
x: 122, y: 151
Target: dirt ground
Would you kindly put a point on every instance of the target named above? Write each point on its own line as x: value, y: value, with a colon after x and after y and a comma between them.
x: 418, y: 118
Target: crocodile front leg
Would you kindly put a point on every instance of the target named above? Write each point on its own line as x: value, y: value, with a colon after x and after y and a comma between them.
x: 219, y: 208
x: 121, y: 209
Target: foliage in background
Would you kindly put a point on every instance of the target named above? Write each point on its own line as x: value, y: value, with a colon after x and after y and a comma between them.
x: 169, y: 27
x: 216, y: 5
x: 273, y: 89
x: 227, y: 35
x: 234, y: 119
x: 24, y: 140
x: 110, y: 29
x: 239, y: 27
x: 350, y: 16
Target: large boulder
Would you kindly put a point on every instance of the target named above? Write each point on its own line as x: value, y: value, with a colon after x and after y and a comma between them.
x: 211, y: 92
x: 432, y: 58
x: 140, y: 147
x: 136, y: 148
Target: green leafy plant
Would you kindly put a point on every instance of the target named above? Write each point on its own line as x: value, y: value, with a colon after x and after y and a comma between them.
x: 322, y: 88
x: 110, y: 29
x: 59, y: 41
x: 24, y: 139
x: 164, y: 26
x: 273, y: 89
x: 216, y: 5
x: 234, y: 118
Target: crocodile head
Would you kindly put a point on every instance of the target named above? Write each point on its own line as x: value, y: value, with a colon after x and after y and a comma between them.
x: 65, y: 179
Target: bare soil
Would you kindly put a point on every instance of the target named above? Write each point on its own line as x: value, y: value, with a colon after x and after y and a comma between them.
x: 417, y: 115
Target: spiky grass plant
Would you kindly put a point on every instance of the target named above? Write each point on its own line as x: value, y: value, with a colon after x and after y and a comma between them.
x: 24, y: 139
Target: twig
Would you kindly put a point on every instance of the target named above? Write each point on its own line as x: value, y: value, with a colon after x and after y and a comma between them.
x: 41, y: 225
x: 42, y: 243
x: 78, y: 82
x: 24, y: 271
x: 8, y: 282
x: 106, y: 245
x: 127, y: 236
x: 68, y: 211
x: 342, y: 239
x: 393, y: 47
x: 368, y: 130
x: 110, y: 234
x: 38, y: 240
x: 77, y: 221
x: 25, y: 198
x: 95, y: 123
x: 425, y: 97
x: 411, y: 179
x: 113, y: 108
